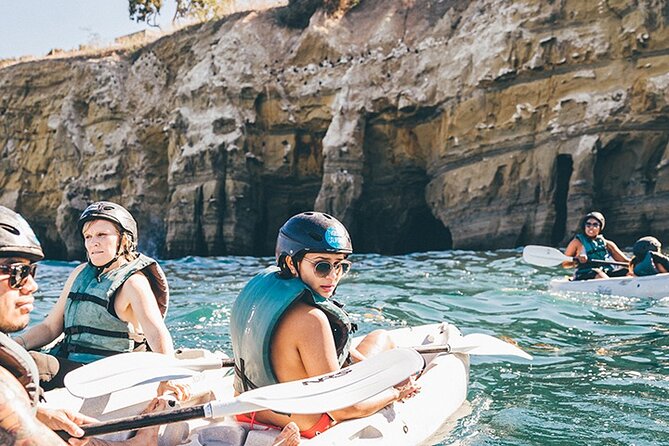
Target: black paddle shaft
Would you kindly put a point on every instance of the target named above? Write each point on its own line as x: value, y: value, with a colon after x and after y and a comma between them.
x: 603, y: 262
x: 427, y: 349
x: 140, y: 421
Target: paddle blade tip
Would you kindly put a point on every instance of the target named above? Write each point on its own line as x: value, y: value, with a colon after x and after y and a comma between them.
x: 543, y: 255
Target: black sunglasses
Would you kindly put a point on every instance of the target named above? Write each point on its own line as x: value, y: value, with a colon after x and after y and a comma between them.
x: 594, y: 224
x: 322, y: 268
x: 18, y: 273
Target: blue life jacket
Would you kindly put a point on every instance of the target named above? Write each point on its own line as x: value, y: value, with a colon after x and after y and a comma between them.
x: 595, y: 249
x: 255, y: 316
x: 91, y: 327
x: 646, y: 267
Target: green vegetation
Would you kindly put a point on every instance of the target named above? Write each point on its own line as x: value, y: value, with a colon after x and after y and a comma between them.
x: 148, y: 10
x: 296, y: 14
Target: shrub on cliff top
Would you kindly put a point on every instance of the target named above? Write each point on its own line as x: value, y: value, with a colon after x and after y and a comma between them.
x: 298, y: 13
x: 295, y: 15
x: 148, y: 10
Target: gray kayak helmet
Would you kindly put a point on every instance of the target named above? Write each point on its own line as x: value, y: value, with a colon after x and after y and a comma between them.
x: 312, y: 232
x: 106, y: 210
x: 17, y: 238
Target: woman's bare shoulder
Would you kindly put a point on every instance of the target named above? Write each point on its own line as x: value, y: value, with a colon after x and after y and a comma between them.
x: 303, y: 314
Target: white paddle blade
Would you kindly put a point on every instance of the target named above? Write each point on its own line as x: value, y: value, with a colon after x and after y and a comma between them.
x: 98, y: 386
x: 543, y: 255
x: 332, y: 391
x: 130, y: 369
x: 483, y: 344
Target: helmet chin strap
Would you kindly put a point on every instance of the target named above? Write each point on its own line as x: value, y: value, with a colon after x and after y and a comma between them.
x: 294, y: 265
x: 297, y: 268
x: 99, y: 269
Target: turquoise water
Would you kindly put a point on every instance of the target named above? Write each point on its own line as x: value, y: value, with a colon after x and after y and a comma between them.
x: 600, y: 374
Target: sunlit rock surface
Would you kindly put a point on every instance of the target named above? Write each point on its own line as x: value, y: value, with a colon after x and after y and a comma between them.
x: 422, y: 125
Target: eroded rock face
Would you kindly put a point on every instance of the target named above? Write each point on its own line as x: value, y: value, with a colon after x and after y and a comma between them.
x: 422, y: 125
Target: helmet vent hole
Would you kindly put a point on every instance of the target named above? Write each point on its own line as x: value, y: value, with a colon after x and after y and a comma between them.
x: 11, y: 229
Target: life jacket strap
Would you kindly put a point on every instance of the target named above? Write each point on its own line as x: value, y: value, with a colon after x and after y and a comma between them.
x: 88, y: 298
x: 96, y: 331
x: 71, y: 348
x: 247, y: 384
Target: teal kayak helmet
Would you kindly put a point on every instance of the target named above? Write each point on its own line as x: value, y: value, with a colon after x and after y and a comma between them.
x: 597, y: 216
x: 311, y: 232
x: 115, y: 213
x: 645, y: 245
x: 17, y: 238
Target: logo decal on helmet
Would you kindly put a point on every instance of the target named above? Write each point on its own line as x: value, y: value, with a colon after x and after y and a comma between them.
x: 336, y: 238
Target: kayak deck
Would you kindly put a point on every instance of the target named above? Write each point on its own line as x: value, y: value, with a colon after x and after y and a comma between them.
x: 444, y: 383
x: 656, y: 286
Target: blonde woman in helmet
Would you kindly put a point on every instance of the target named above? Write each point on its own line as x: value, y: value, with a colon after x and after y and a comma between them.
x: 22, y: 420
x: 114, y: 303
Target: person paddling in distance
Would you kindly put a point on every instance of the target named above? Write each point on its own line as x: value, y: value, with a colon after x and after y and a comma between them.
x: 286, y: 326
x: 114, y: 303
x: 22, y: 420
x: 648, y: 259
x: 589, y: 244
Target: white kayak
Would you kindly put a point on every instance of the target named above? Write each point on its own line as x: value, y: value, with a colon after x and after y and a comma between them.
x: 423, y: 419
x: 656, y: 286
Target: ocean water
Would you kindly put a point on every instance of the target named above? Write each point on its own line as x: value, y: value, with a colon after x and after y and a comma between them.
x: 600, y: 374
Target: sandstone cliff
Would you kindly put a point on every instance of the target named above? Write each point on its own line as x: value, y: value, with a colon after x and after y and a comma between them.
x: 426, y: 124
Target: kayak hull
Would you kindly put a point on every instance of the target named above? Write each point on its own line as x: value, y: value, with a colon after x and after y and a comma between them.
x: 656, y: 286
x: 444, y: 384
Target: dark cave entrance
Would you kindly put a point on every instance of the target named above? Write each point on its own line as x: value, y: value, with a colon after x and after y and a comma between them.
x: 393, y: 217
x: 422, y: 232
x: 564, y: 167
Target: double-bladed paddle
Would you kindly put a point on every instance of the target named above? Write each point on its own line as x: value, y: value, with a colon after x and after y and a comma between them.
x: 319, y: 394
x: 547, y: 256
x: 130, y: 369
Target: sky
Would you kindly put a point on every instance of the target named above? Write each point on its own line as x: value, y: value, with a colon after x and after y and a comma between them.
x: 33, y: 27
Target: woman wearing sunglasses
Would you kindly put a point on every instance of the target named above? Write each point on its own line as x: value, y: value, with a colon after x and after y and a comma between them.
x: 590, y: 244
x: 286, y: 326
x: 114, y: 303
